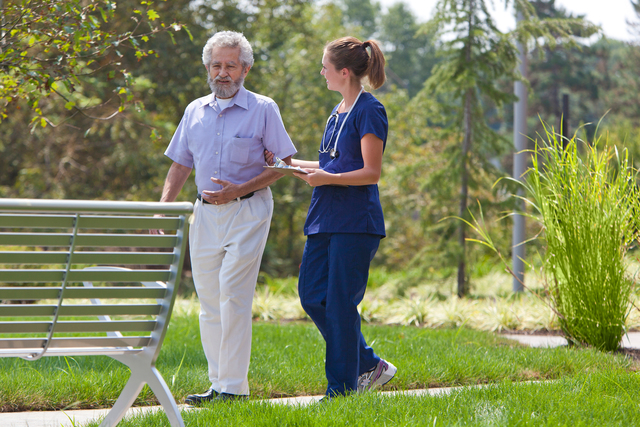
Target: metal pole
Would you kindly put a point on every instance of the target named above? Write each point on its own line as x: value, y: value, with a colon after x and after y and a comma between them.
x: 2, y: 32
x: 565, y: 119
x: 519, y: 166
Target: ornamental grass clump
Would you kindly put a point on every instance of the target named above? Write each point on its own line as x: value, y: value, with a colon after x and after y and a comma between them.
x: 588, y: 204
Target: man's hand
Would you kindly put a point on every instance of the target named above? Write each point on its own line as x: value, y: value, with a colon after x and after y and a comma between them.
x: 228, y: 193
x: 160, y: 232
x: 269, y: 157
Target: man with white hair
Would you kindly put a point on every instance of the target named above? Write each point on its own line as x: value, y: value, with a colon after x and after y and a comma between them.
x: 224, y: 135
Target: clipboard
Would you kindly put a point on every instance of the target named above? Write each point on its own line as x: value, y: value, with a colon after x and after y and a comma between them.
x: 287, y: 171
x: 290, y: 170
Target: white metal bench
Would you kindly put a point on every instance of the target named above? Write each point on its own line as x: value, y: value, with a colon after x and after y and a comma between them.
x: 69, y: 254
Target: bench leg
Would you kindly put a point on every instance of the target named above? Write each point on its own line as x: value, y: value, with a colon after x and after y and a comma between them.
x: 125, y: 400
x: 162, y: 392
x: 142, y: 372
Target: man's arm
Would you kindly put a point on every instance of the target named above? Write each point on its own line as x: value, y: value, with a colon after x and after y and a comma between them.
x: 174, y: 182
x: 270, y: 159
x: 231, y: 191
x: 176, y: 177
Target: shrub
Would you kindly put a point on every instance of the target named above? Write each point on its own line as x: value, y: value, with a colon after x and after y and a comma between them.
x: 587, y: 204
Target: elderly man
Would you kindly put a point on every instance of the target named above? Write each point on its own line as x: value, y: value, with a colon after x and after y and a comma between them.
x: 224, y: 135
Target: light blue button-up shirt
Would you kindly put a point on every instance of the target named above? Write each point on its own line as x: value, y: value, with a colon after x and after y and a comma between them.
x: 229, y: 144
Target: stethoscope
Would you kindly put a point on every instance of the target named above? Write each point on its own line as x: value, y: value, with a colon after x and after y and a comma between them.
x: 325, y: 146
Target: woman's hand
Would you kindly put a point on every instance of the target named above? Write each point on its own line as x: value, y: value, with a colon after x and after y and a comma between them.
x: 316, y: 177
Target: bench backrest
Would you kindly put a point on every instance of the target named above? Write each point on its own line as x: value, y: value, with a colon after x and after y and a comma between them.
x: 86, y: 277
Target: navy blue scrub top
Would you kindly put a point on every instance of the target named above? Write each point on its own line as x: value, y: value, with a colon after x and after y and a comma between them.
x: 353, y: 209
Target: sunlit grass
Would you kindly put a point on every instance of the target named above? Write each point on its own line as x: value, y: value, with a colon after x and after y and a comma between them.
x: 288, y: 360
x: 603, y: 398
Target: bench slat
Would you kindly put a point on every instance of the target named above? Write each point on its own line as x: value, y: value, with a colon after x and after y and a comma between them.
x: 120, y: 292
x: 133, y: 240
x: 36, y: 221
x: 74, y: 342
x: 100, y: 258
x: 124, y: 258
x: 96, y: 206
x: 27, y: 310
x: 35, y: 239
x: 45, y: 276
x: 119, y: 275
x: 129, y: 223
x: 70, y: 351
x: 90, y: 221
x: 33, y: 257
x: 64, y: 239
x: 31, y: 276
x: 76, y: 326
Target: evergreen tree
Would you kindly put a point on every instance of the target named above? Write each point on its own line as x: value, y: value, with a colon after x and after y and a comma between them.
x: 475, y: 58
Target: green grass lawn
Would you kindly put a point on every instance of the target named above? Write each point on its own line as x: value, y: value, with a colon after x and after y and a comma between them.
x: 606, y: 397
x: 287, y: 360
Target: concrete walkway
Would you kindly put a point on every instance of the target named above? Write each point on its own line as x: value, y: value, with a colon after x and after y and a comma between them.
x: 631, y: 340
x: 81, y: 417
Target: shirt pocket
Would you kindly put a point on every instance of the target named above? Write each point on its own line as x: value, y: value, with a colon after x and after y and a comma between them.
x: 244, y: 149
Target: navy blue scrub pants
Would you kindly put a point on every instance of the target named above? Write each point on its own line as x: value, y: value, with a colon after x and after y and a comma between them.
x: 332, y: 282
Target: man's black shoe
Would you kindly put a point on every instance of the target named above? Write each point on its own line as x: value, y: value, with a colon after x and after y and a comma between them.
x: 228, y: 397
x: 198, y: 399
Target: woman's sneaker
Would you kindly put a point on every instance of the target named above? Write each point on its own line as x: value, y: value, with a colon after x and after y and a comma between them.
x: 378, y: 376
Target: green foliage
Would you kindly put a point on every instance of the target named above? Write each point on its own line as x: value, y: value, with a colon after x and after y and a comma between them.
x: 543, y: 23
x: 363, y: 13
x: 419, y: 189
x: 588, y: 207
x: 410, y: 53
x: 56, y: 47
x: 476, y: 57
x: 572, y: 66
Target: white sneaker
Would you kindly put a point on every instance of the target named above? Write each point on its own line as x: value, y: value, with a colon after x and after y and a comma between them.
x: 378, y: 376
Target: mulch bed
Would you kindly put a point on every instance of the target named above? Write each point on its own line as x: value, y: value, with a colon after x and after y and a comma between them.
x: 633, y: 353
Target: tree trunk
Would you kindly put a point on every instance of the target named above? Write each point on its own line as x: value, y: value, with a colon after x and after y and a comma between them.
x: 464, y: 172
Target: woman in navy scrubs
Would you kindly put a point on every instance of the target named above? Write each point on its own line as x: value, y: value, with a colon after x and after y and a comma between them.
x: 345, y: 222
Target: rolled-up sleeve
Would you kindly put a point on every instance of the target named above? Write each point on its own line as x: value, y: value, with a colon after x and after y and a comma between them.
x: 178, y: 149
x: 276, y: 139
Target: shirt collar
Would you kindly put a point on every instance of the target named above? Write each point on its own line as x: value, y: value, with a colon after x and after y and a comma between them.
x: 239, y: 99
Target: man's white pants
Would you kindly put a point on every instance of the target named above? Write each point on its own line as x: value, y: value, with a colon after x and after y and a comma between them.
x: 226, y: 244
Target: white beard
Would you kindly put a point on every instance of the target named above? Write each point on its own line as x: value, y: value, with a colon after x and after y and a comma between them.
x: 224, y: 91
